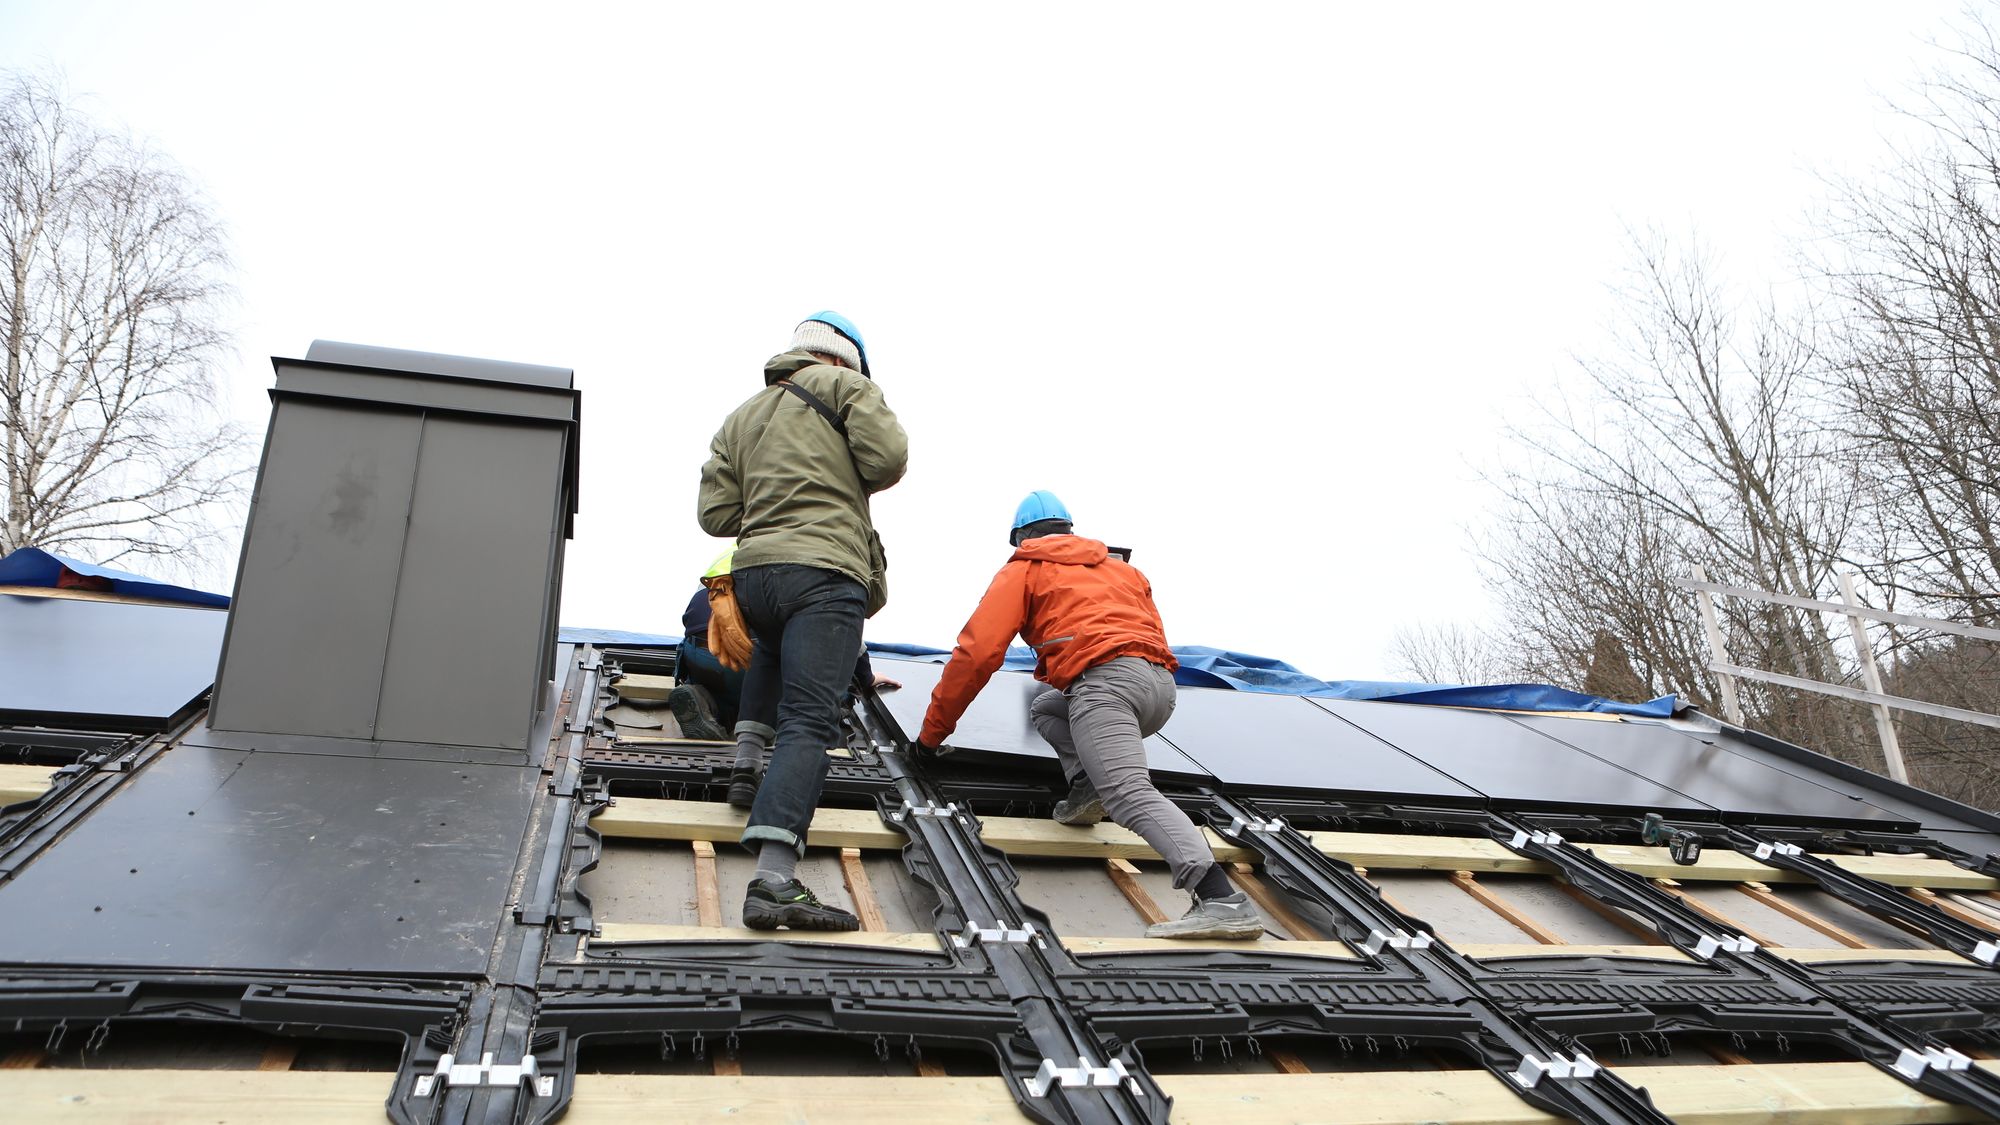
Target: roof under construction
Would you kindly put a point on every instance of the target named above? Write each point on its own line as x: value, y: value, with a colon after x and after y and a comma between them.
x: 377, y: 837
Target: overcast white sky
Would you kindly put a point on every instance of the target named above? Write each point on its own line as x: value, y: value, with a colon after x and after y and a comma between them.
x: 1252, y: 287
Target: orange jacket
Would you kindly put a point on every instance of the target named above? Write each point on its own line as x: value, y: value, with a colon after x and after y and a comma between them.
x: 1074, y: 604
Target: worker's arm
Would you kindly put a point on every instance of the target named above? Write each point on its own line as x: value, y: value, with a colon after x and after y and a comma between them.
x: 982, y: 648
x: 721, y: 503
x: 876, y: 439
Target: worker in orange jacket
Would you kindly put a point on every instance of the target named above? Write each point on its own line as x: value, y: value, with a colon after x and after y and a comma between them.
x: 1102, y: 650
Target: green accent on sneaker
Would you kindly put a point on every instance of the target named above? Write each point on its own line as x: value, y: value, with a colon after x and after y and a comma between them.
x: 791, y: 904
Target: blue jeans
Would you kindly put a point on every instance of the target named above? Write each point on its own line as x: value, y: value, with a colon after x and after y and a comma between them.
x: 807, y: 626
x: 697, y: 665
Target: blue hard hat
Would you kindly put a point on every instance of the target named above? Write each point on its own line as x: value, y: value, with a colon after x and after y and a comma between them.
x: 846, y: 328
x: 1041, y: 505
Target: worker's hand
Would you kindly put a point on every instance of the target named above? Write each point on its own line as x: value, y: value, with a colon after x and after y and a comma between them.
x: 884, y: 683
x: 925, y: 750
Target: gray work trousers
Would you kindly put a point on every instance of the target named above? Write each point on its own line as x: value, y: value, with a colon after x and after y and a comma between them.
x: 1097, y: 727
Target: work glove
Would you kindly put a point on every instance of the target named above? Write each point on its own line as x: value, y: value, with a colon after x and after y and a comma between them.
x: 926, y: 750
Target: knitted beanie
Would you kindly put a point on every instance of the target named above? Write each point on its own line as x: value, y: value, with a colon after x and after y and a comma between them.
x: 819, y: 336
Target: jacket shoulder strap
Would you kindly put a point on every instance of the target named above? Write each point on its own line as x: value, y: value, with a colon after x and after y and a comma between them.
x: 813, y: 401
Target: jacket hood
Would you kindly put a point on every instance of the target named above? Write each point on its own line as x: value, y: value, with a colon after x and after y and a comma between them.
x: 1074, y: 550
x: 784, y: 365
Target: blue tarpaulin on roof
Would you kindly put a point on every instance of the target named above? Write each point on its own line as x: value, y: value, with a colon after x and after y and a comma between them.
x: 1240, y: 671
x: 32, y: 566
x: 1219, y: 668
x: 582, y: 635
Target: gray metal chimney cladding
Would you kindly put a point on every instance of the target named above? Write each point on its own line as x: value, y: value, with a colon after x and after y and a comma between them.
x: 403, y: 559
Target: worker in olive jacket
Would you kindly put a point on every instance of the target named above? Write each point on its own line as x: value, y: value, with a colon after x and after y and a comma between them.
x: 789, y: 476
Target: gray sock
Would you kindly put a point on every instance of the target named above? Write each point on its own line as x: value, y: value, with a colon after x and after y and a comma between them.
x: 750, y: 747
x: 776, y: 861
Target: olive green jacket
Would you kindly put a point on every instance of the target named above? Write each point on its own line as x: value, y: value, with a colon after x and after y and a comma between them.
x: 781, y: 480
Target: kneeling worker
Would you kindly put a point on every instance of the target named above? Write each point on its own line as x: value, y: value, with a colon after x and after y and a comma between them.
x: 1102, y: 650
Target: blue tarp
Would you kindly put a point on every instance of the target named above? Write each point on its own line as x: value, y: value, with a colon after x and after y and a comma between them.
x: 1218, y: 668
x: 32, y: 566
x: 582, y: 635
x: 1240, y: 671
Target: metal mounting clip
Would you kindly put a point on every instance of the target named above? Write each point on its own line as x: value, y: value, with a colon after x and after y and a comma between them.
x: 1532, y: 1070
x: 1377, y: 941
x: 1523, y: 839
x: 1985, y: 952
x: 1708, y: 947
x: 943, y: 812
x: 486, y: 1073
x: 1255, y: 824
x: 1767, y: 850
x: 1911, y: 1064
x: 1085, y: 1073
x: 997, y: 934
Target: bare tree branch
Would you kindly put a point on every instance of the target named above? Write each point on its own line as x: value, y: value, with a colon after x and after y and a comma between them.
x: 112, y: 272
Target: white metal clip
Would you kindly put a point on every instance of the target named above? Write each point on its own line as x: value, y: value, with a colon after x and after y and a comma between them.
x: 486, y: 1073
x: 1767, y: 850
x: 997, y: 934
x: 942, y: 812
x: 1708, y: 947
x: 1377, y: 941
x: 1237, y: 824
x: 1532, y: 1070
x: 1912, y: 1063
x: 1985, y: 952
x: 1085, y: 1073
x: 1523, y: 839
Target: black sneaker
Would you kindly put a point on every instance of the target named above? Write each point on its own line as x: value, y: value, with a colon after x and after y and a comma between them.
x: 1082, y: 808
x: 694, y: 710
x: 769, y: 905
x: 742, y: 788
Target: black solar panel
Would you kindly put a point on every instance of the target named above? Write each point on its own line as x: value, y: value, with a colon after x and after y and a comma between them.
x: 1248, y: 738
x: 221, y: 858
x: 1729, y: 781
x: 997, y: 721
x: 116, y: 665
x: 1505, y: 760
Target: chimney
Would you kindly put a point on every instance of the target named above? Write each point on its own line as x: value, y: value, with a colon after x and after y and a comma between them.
x: 403, y: 560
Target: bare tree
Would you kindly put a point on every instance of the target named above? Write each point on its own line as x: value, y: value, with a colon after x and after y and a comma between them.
x: 1697, y: 442
x: 111, y: 272
x: 1449, y: 654
x: 1571, y: 565
x: 1917, y: 261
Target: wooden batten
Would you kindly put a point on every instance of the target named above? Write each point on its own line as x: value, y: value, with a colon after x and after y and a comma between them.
x: 1515, y: 917
x: 1839, y: 1093
x: 612, y: 933
x: 1276, y: 912
x: 1492, y: 950
x: 1727, y: 922
x: 640, y: 687
x: 858, y: 889
x: 23, y: 783
x: 1125, y: 877
x: 1800, y: 914
x: 707, y: 892
x: 637, y: 818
